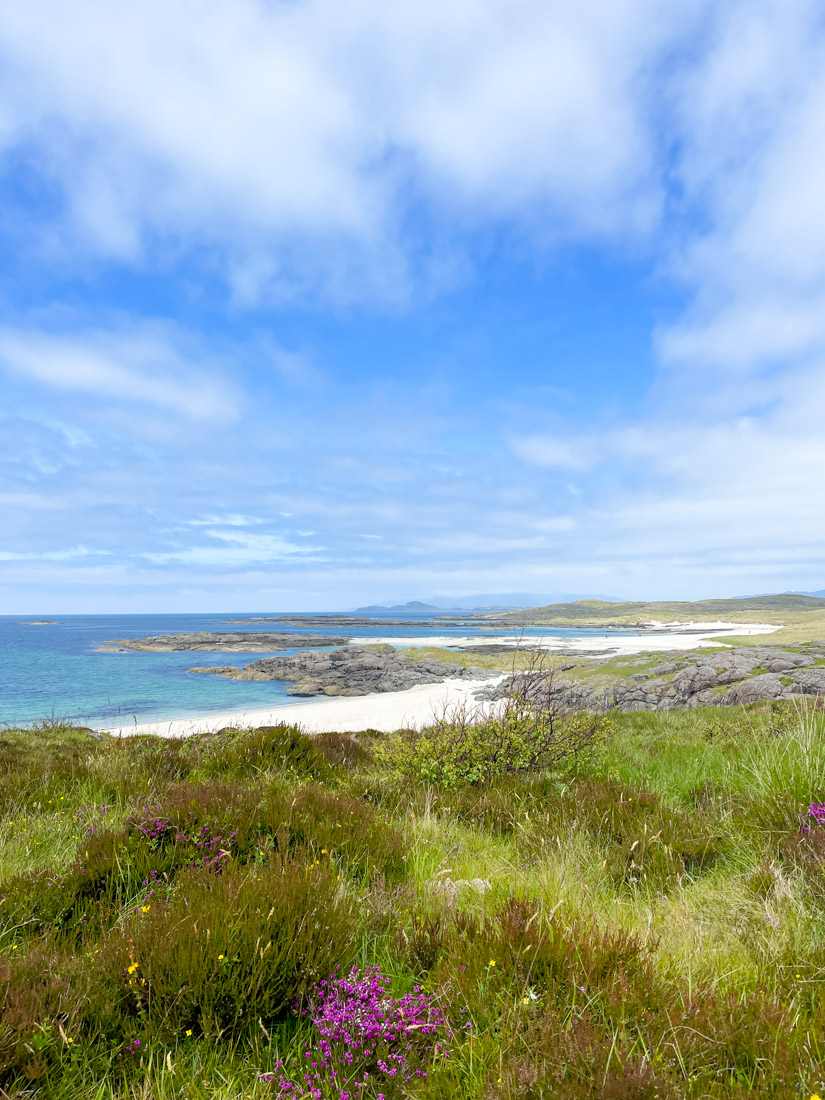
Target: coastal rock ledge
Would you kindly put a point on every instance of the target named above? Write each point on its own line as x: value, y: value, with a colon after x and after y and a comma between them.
x: 731, y: 678
x: 359, y: 670
x: 240, y: 642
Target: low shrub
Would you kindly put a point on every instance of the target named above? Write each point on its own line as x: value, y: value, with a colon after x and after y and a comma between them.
x: 365, y: 1039
x: 55, y: 1007
x: 232, y: 949
x: 473, y: 747
x: 71, y: 903
x: 282, y: 749
x: 218, y: 821
x: 343, y: 750
x: 339, y: 828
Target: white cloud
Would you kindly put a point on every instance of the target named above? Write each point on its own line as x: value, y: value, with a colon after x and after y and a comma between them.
x: 244, y: 549
x: 750, y: 119
x: 223, y: 521
x: 271, y: 130
x: 69, y: 554
x: 139, y: 364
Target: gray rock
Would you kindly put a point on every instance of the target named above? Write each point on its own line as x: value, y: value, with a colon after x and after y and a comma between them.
x: 667, y: 668
x: 767, y: 686
x: 809, y: 681
x: 730, y: 678
x: 355, y: 670
x: 451, y: 889
x: 229, y: 643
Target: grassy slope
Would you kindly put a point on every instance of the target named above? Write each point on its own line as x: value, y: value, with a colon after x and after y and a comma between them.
x: 680, y: 843
x: 639, y: 611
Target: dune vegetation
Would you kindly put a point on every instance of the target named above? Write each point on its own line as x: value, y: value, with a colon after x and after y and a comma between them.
x: 623, y: 907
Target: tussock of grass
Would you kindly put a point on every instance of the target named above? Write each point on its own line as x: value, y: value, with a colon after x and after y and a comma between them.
x: 647, y: 921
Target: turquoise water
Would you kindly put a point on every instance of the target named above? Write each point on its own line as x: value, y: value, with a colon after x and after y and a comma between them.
x: 53, y: 671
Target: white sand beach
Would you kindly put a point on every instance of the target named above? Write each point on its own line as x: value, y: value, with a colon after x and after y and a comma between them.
x: 390, y: 710
x: 657, y: 636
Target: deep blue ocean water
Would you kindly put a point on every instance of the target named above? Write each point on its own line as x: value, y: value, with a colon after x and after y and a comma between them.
x: 54, y: 671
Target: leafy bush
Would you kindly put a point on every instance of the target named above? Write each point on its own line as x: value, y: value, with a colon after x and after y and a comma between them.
x: 473, y: 747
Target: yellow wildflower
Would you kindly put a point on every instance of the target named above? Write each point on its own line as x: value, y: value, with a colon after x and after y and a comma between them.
x: 189, y: 1032
x: 492, y: 962
x: 145, y: 908
x: 220, y: 957
x: 131, y: 969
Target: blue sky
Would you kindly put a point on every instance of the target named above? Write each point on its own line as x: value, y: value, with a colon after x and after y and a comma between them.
x: 307, y: 304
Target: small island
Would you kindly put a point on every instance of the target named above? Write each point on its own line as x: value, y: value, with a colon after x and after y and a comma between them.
x: 226, y: 643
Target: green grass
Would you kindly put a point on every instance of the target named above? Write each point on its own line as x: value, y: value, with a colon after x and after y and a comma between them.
x: 654, y: 925
x: 752, y: 607
x: 514, y: 660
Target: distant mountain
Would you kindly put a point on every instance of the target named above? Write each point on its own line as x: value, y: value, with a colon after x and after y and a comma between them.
x: 412, y: 607
x: 497, y: 601
x: 490, y: 601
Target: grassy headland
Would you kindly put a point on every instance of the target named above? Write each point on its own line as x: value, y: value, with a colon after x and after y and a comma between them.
x: 644, y: 920
x: 802, y: 617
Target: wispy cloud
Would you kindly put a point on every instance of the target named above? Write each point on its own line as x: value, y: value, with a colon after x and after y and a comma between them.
x: 237, y: 549
x: 139, y: 365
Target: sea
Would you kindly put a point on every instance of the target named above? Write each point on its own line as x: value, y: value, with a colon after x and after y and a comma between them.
x: 54, y: 670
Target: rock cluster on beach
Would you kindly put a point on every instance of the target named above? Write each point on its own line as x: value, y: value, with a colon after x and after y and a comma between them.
x: 357, y: 670
x: 724, y: 679
x: 231, y: 643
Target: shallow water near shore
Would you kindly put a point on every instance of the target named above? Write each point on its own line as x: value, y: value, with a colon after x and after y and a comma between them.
x: 54, y: 669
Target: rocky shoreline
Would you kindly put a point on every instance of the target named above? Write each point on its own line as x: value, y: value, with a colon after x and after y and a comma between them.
x: 724, y: 678
x: 226, y: 643
x: 349, y: 621
x: 362, y: 670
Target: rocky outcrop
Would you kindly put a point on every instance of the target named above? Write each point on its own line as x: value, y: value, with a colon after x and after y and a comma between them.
x: 727, y: 678
x: 348, y: 622
x: 356, y: 670
x: 228, y: 643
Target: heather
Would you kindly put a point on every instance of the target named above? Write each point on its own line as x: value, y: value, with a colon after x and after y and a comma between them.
x: 630, y: 908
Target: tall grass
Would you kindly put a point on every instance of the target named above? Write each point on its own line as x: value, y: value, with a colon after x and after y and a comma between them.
x: 647, y: 921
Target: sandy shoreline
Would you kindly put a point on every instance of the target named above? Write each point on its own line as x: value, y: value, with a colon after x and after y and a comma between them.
x: 389, y: 710
x: 417, y: 706
x: 659, y: 636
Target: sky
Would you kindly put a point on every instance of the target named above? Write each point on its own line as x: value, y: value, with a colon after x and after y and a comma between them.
x: 310, y: 303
